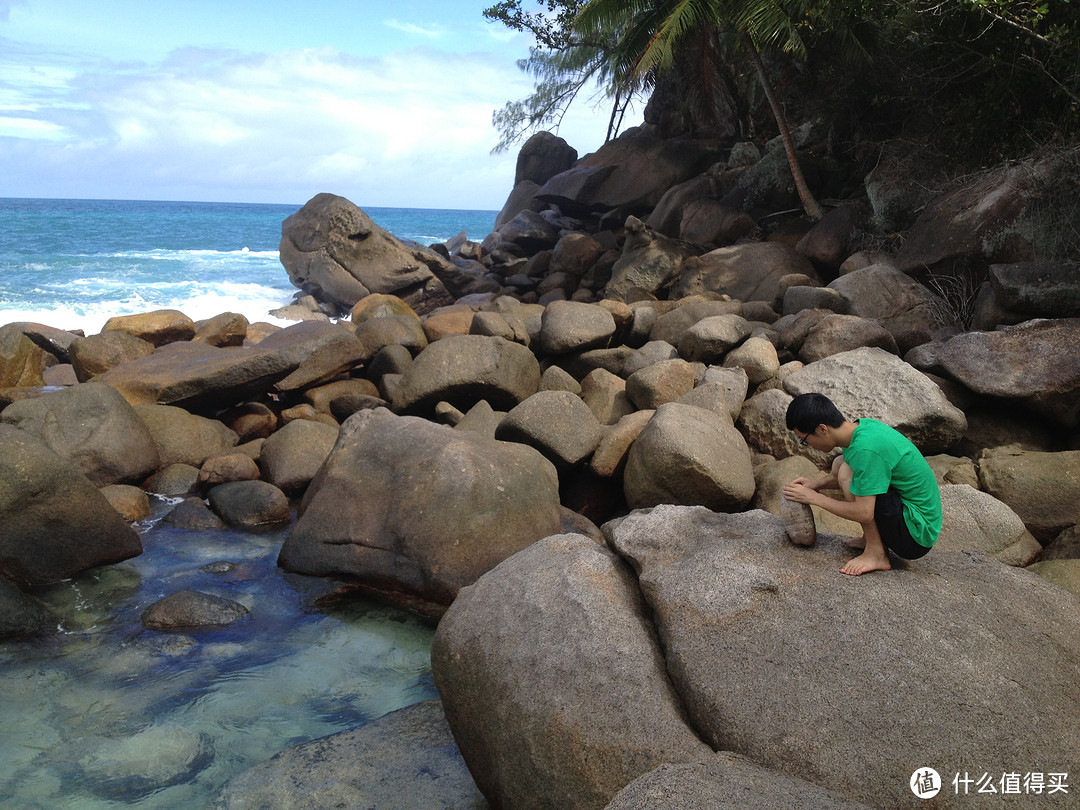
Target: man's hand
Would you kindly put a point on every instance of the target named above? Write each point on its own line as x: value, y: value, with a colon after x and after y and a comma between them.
x: 801, y: 490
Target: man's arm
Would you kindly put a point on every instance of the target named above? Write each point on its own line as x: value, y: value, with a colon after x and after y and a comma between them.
x: 860, y: 509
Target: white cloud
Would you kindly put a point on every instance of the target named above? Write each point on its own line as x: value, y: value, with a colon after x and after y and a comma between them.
x: 431, y: 31
x: 409, y: 129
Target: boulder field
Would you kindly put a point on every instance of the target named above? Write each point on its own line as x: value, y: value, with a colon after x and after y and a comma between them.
x: 565, y: 444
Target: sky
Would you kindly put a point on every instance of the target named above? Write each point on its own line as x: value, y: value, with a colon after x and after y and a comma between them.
x: 273, y: 101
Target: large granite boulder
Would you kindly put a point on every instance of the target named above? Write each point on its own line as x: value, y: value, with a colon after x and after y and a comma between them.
x: 198, y: 375
x: 910, y: 311
x: 184, y: 438
x: 20, y: 359
x: 553, y: 682
x: 689, y: 455
x: 1037, y: 289
x: 92, y: 426
x: 835, y: 333
x: 430, y: 509
x: 54, y: 341
x: 404, y: 760
x: 649, y: 261
x: 779, y: 659
x: 463, y: 369
x: 1035, y: 363
x: 726, y: 782
x: 1042, y: 488
x: 747, y: 272
x: 96, y: 354
x: 631, y: 173
x: 332, y: 250
x: 574, y: 326
x: 974, y: 219
x: 874, y: 383
x: 157, y: 328
x: 22, y: 615
x: 54, y: 523
x: 543, y: 156
x: 973, y: 520
x: 292, y: 456
x: 557, y: 423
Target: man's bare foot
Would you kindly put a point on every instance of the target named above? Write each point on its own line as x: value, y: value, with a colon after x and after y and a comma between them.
x: 865, y: 563
x: 855, y: 542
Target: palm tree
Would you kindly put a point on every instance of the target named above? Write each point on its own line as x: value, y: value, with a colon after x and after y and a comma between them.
x: 657, y: 28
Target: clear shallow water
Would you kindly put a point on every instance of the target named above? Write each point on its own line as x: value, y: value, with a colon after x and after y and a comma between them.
x: 73, y: 264
x: 107, y: 714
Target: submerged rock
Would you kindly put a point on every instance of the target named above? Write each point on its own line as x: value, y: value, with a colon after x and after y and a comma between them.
x: 405, y: 760
x: 192, y: 609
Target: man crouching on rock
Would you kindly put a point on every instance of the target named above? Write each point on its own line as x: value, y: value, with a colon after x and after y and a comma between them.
x: 888, y: 487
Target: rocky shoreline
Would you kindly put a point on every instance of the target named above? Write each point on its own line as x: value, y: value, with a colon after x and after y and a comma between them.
x: 565, y: 443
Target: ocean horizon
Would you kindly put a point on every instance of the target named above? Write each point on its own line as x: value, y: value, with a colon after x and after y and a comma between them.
x: 74, y: 263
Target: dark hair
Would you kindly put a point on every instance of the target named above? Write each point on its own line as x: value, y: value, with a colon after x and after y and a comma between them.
x: 807, y: 411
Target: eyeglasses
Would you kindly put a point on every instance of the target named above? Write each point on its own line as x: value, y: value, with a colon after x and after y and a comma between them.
x: 802, y: 439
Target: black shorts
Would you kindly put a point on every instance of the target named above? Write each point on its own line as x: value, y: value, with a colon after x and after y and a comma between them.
x: 889, y: 517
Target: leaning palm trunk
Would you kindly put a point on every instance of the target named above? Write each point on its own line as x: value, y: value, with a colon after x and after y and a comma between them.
x: 810, y: 204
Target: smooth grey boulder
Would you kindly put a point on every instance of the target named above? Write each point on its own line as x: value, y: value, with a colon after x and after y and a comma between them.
x: 660, y: 382
x: 727, y: 782
x: 779, y: 658
x: 557, y: 423
x: 908, y: 310
x: 1039, y: 289
x: 574, y: 326
x: 1042, y: 488
x: 192, y: 609
x: 157, y: 327
x: 95, y: 354
x: 463, y: 369
x: 874, y: 383
x: 652, y: 352
x: 54, y: 523
x: 173, y: 480
x: 835, y: 333
x: 747, y: 272
x: 1035, y: 363
x: 249, y: 504
x: 192, y: 514
x: 671, y: 325
x: 185, y: 438
x: 649, y: 261
x: 529, y: 231
x: 201, y: 376
x: 757, y: 357
x: 708, y: 340
x: 431, y: 508
x: 54, y: 341
x: 630, y: 173
x: 22, y: 615
x: 292, y: 456
x: 404, y: 760
x: 688, y: 455
x: 552, y: 680
x: 333, y: 250
x: 92, y: 426
x: 973, y: 520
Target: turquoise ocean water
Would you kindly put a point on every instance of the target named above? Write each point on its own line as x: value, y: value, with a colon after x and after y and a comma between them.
x: 103, y: 713
x: 73, y: 264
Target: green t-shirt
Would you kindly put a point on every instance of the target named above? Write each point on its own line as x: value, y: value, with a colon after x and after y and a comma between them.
x: 881, y: 457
